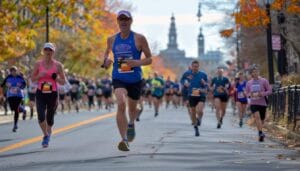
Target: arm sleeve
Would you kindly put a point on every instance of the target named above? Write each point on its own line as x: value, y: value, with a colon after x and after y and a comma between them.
x: 23, y: 83
x: 183, y: 78
x: 267, y: 87
x: 248, y: 89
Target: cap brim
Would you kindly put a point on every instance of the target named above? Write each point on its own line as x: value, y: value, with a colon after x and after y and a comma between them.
x: 127, y: 16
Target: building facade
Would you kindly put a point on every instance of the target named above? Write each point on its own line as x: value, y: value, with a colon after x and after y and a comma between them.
x: 176, y: 59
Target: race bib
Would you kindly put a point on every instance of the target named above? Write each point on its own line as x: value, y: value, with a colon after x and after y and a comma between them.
x: 47, y: 87
x: 196, y: 92
x: 123, y: 67
x: 74, y: 88
x: 241, y: 95
x: 255, y: 88
x: 99, y: 91
x: 14, y: 90
x: 90, y: 92
x: 220, y: 90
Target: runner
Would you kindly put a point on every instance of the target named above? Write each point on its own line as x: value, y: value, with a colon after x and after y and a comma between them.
x: 220, y: 86
x: 74, y: 92
x: 185, y: 96
x: 31, y: 94
x: 176, y: 94
x: 62, y: 92
x: 47, y: 72
x: 168, y: 91
x: 107, y: 91
x: 197, y: 93
x: 148, y: 97
x: 91, y: 93
x: 127, y: 47
x: 99, y: 93
x: 258, y: 89
x: 15, y: 83
x: 157, y: 92
x: 241, y: 96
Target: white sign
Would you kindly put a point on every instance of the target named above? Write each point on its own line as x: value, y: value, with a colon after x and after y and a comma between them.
x: 276, y: 42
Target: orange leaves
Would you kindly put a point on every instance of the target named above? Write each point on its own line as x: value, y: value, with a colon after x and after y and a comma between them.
x: 226, y: 33
x: 158, y: 66
x: 277, y: 5
x: 294, y: 7
x: 251, y: 15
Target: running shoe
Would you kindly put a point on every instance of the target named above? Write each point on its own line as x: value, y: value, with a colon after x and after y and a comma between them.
x: 45, y: 142
x: 221, y: 120
x: 241, y: 123
x: 130, y: 132
x: 15, y: 128
x: 198, y: 122
x: 261, y: 137
x: 156, y: 114
x: 24, y: 114
x: 197, y: 134
x: 219, y: 125
x: 123, y: 146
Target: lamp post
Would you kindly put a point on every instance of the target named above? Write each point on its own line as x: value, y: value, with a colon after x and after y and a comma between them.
x: 269, y: 45
x: 47, y: 23
x: 282, y: 60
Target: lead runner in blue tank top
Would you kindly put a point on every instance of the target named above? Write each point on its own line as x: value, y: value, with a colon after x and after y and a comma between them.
x: 127, y: 47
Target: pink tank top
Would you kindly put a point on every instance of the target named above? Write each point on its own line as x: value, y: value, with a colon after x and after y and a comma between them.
x: 46, y: 84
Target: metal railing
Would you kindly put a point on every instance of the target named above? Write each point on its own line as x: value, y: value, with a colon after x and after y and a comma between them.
x: 285, y: 103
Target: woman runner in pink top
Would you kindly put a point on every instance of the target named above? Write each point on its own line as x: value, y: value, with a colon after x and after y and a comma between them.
x: 47, y: 72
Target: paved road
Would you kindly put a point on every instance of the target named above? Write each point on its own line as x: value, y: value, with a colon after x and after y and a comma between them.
x: 163, y: 143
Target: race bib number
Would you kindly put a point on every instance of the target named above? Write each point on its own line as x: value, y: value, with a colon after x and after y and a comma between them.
x: 99, y: 91
x: 90, y: 92
x: 195, y: 92
x: 123, y: 67
x: 241, y: 95
x: 74, y: 88
x: 47, y: 87
x: 255, y: 88
x: 220, y: 90
x: 14, y: 90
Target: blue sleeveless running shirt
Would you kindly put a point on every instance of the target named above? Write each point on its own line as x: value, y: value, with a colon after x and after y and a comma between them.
x: 126, y: 49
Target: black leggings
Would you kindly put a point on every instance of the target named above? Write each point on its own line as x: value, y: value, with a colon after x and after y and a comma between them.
x: 46, y: 104
x: 14, y: 104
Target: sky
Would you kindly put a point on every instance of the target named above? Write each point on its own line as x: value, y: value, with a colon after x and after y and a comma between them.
x: 152, y: 19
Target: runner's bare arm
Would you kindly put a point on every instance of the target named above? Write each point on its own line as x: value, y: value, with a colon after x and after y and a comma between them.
x: 35, y: 72
x: 107, y: 61
x: 62, y: 78
x: 146, y: 50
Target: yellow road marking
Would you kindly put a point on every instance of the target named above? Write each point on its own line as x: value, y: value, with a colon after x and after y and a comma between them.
x: 56, y: 131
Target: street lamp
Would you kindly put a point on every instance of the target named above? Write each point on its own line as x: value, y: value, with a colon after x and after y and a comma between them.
x: 47, y: 23
x: 282, y: 60
x: 269, y: 44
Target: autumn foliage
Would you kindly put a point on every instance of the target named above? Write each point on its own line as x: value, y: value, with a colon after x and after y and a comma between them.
x: 252, y: 15
x: 78, y: 28
x: 159, y: 67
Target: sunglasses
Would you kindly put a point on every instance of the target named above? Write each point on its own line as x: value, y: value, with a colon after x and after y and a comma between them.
x: 48, y: 49
x: 124, y: 19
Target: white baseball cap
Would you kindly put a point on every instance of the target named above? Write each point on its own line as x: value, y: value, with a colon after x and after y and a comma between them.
x: 124, y: 12
x: 50, y: 46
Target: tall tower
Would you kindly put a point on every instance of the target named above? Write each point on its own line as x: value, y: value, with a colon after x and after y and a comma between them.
x: 200, y: 44
x: 172, y: 34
